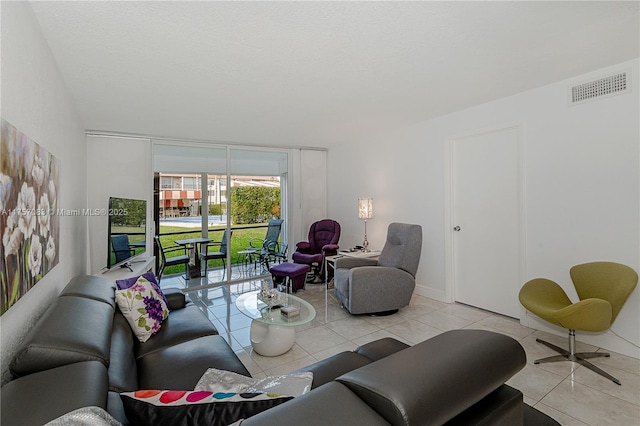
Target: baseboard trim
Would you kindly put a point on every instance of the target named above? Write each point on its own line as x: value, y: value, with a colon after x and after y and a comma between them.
x: 429, y: 292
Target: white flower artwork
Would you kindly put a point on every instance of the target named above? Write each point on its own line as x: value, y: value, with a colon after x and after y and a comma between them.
x: 26, y: 210
x: 51, y: 249
x: 35, y: 255
x: 44, y: 220
x: 29, y: 225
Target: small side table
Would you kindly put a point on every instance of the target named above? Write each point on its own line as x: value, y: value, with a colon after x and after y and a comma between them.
x: 330, y: 261
x: 271, y: 333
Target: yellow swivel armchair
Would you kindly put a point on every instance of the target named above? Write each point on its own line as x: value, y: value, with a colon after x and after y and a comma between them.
x: 602, y: 287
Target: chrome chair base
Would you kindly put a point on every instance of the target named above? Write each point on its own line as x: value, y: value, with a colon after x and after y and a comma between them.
x: 579, y: 357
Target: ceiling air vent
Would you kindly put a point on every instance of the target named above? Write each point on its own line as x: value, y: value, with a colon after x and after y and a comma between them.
x: 615, y: 84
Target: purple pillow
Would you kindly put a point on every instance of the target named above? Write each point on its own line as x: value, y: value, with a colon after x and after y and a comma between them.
x: 149, y: 276
x: 128, y: 282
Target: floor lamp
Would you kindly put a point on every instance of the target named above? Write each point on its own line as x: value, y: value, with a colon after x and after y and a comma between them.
x: 365, y: 211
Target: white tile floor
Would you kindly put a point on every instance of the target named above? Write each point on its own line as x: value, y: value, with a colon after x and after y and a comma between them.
x: 566, y: 391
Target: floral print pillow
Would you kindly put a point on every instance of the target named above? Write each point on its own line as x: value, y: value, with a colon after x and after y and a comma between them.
x: 150, y: 276
x: 143, y: 308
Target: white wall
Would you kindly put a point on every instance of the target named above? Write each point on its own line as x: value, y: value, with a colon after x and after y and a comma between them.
x: 116, y: 167
x: 582, y: 187
x: 306, y: 193
x: 35, y: 100
x: 313, y: 188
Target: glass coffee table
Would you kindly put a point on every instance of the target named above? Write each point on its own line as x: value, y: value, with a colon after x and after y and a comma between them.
x: 273, y: 334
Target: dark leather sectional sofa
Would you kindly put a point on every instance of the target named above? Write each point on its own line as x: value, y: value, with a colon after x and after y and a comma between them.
x: 82, y: 353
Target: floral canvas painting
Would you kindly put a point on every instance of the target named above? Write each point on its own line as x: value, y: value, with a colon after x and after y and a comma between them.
x: 29, y: 225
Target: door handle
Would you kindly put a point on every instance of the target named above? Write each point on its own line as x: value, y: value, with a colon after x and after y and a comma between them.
x: 456, y: 228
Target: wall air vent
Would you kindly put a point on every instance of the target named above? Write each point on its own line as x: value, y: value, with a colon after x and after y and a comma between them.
x: 615, y: 84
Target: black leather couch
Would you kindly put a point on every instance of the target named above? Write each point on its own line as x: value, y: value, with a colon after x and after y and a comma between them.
x: 83, y: 353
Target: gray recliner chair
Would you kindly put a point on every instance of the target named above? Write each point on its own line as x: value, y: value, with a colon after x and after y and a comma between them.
x: 383, y: 285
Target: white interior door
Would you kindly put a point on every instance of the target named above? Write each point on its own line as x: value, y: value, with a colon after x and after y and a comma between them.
x: 486, y: 220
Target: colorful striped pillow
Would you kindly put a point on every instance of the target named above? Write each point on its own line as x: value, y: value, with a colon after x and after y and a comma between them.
x: 174, y: 407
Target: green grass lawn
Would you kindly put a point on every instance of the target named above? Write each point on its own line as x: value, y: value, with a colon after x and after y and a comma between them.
x: 239, y: 241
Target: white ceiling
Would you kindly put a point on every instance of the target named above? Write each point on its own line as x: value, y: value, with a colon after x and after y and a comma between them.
x: 317, y: 73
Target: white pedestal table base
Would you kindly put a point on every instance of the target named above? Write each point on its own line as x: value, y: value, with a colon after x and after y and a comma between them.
x: 271, y: 340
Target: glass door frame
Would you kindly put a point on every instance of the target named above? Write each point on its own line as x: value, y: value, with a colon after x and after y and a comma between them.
x: 204, y: 200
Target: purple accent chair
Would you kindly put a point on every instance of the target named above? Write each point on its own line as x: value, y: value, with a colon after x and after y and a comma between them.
x: 323, y: 241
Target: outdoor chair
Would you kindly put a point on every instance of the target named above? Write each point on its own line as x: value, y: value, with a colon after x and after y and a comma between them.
x: 207, y: 255
x: 269, y: 247
x: 172, y: 260
x: 121, y: 248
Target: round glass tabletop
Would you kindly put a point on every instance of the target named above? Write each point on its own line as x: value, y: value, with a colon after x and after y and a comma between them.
x: 268, y: 312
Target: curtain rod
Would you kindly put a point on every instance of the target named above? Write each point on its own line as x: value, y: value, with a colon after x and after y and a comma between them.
x: 201, y: 141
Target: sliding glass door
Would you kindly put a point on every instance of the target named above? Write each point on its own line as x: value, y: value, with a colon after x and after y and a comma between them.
x: 213, y: 203
x: 258, y: 212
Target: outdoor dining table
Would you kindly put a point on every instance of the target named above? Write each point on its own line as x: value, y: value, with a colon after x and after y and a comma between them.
x: 195, y: 268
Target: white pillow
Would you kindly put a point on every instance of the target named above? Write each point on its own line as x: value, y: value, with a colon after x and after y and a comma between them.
x: 294, y: 384
x: 86, y: 416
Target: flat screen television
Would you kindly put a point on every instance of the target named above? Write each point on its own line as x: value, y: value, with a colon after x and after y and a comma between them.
x: 127, y: 230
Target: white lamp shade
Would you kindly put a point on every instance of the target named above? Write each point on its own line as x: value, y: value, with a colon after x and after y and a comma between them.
x: 365, y: 208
